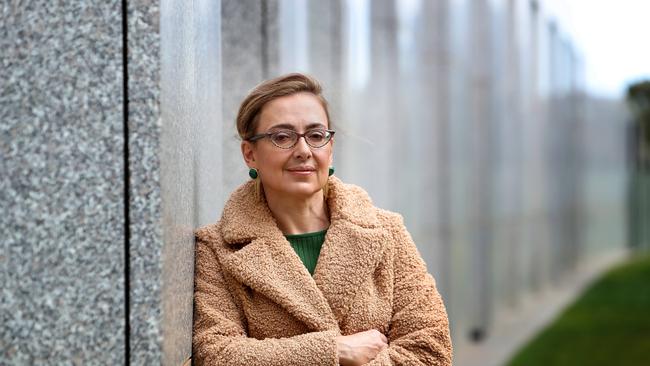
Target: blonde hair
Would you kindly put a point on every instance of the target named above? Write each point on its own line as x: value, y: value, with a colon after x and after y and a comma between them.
x: 281, y: 86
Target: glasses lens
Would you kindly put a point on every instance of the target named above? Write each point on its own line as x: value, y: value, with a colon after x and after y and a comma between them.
x: 317, y: 138
x: 284, y: 139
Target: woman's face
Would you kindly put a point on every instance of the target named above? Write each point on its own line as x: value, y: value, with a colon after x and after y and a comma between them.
x: 298, y: 172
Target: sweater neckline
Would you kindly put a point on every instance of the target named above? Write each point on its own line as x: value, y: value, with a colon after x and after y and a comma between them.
x: 306, y: 235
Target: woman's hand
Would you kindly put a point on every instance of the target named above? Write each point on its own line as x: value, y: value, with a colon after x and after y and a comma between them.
x: 360, y: 348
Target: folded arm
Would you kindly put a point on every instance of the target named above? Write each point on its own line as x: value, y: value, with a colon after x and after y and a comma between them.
x: 419, y: 331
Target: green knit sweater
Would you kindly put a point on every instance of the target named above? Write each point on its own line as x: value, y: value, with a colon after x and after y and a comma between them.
x: 308, y: 246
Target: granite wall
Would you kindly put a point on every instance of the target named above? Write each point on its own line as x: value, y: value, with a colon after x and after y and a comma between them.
x: 100, y: 182
x: 62, y: 184
x: 143, y: 181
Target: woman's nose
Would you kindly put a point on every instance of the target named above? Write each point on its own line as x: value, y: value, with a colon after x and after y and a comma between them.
x: 302, y: 149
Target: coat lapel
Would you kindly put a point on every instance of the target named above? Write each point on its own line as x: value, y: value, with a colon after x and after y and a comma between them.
x: 268, y: 264
x: 353, y: 247
x: 348, y: 259
x: 257, y: 254
x: 273, y: 269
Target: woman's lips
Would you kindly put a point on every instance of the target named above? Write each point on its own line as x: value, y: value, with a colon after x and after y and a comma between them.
x: 301, y: 171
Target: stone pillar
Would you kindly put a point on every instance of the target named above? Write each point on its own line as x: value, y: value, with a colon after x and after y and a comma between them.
x: 479, y: 141
x: 355, y: 74
x: 554, y: 153
x: 110, y: 127
x: 191, y: 167
x: 62, y: 184
x: 504, y: 141
x: 377, y: 123
x: 423, y: 125
x: 442, y: 51
x: 325, y: 48
x: 145, y: 232
x: 459, y: 89
x: 537, y: 229
x: 245, y: 64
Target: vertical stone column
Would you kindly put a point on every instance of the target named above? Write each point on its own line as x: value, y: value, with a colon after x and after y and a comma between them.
x: 251, y: 54
x: 325, y: 46
x: 479, y: 142
x: 537, y: 195
x: 423, y: 85
x: 554, y: 154
x: 511, y: 157
x: 355, y: 65
x: 459, y: 90
x: 378, y: 122
x: 442, y: 49
x: 174, y: 78
x: 420, y: 128
x: 526, y: 17
x: 499, y: 192
x: 243, y: 68
x: 145, y: 232
x: 62, y: 184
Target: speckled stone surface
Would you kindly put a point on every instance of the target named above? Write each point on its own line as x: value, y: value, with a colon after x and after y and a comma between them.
x: 61, y: 184
x: 144, y: 125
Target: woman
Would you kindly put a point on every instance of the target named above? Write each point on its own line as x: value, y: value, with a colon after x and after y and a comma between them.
x: 261, y: 298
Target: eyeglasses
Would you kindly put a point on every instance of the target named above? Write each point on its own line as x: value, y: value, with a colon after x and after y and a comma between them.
x: 286, y: 139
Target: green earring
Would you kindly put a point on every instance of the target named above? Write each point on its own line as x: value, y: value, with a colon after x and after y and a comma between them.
x: 331, y: 171
x: 252, y: 172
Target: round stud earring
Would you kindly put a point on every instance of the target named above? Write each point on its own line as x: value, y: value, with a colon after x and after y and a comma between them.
x: 330, y: 171
x: 252, y: 172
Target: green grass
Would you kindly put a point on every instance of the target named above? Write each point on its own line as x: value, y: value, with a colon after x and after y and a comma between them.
x: 608, y: 325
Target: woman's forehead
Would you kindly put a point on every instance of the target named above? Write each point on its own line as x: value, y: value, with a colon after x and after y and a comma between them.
x: 295, y: 103
x: 297, y: 111
x: 296, y: 126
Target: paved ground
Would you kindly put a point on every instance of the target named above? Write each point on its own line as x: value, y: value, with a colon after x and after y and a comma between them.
x: 514, y: 329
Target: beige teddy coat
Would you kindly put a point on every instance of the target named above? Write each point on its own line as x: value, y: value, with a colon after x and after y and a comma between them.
x: 256, y: 303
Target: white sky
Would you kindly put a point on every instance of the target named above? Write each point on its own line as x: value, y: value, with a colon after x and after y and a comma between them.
x: 613, y: 37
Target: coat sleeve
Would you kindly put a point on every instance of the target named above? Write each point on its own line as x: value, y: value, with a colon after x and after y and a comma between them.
x: 419, y: 330
x: 220, y: 337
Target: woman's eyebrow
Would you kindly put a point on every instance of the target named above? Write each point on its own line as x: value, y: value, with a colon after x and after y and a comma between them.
x: 288, y: 126
x: 315, y: 125
x: 283, y: 126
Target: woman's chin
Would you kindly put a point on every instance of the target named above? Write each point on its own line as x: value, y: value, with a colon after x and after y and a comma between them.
x: 302, y: 190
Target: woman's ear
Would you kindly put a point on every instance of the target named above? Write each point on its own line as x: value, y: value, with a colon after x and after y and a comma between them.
x: 248, y: 152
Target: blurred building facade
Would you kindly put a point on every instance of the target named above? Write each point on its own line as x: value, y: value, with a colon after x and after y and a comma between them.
x: 470, y: 118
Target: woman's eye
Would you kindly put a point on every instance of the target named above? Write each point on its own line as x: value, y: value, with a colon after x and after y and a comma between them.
x: 281, y: 137
x: 316, y: 135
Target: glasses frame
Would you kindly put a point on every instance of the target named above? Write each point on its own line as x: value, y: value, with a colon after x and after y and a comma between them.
x: 299, y: 135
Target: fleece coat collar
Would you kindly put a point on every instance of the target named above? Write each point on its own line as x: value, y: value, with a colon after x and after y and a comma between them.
x: 261, y: 258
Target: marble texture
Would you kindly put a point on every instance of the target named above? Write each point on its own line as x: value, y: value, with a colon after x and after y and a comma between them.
x: 61, y: 184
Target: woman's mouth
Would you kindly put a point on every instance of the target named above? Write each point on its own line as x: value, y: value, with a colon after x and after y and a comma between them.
x: 302, y: 170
